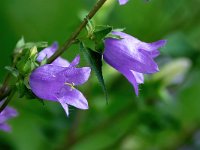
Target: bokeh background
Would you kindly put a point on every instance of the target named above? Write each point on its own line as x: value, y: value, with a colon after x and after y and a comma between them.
x: 166, y: 115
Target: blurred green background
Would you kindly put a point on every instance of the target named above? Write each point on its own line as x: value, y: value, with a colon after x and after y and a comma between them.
x: 166, y: 115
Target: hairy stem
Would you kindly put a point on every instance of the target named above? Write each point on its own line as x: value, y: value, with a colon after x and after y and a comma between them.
x: 73, y: 37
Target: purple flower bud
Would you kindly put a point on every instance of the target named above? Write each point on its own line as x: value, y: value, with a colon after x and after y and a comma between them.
x: 6, y: 114
x: 132, y: 57
x: 57, y: 81
x: 122, y: 2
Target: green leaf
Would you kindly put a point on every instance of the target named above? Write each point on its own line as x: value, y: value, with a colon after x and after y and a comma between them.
x: 90, y: 28
x: 99, y: 35
x: 12, y: 70
x: 119, y: 29
x: 101, y: 32
x: 21, y: 88
x: 95, y: 61
x: 20, y: 43
x: 27, y: 63
x: 35, y: 44
x: 99, y: 46
x: 110, y: 35
x: 89, y: 42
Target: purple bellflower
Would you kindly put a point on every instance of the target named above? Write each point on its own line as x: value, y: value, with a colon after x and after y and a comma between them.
x: 123, y: 2
x: 57, y: 81
x: 132, y: 57
x: 6, y: 114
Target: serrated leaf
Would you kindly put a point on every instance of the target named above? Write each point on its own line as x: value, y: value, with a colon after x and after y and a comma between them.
x: 12, y: 70
x: 95, y: 61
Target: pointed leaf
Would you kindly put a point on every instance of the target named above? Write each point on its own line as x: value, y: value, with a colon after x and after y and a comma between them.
x: 20, y: 43
x: 101, y: 31
x: 95, y: 61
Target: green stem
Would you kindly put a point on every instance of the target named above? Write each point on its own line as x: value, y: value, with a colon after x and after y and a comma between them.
x: 3, y: 106
x: 4, y: 88
x: 73, y: 37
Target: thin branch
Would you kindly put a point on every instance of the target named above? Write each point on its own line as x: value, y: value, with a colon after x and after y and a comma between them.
x: 5, y: 90
x: 73, y: 37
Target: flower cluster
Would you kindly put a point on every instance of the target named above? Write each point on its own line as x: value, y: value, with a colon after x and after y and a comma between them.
x: 58, y: 81
x: 128, y: 55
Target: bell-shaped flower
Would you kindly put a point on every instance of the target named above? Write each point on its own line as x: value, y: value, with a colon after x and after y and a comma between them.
x: 123, y: 2
x: 57, y: 81
x: 5, y: 115
x: 132, y: 57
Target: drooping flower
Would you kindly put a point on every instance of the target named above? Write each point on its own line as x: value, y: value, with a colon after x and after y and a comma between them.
x: 5, y: 115
x: 123, y: 2
x: 132, y: 57
x: 57, y: 81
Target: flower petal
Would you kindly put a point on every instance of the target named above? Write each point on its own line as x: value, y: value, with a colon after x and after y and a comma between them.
x: 5, y: 127
x: 138, y: 77
x: 155, y: 45
x: 131, y: 78
x: 152, y: 48
x: 48, y: 52
x: 72, y: 97
x: 122, y: 2
x: 46, y: 81
x: 75, y: 62
x: 140, y: 62
x: 7, y: 113
x: 65, y: 106
x: 77, y: 76
x: 60, y: 62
